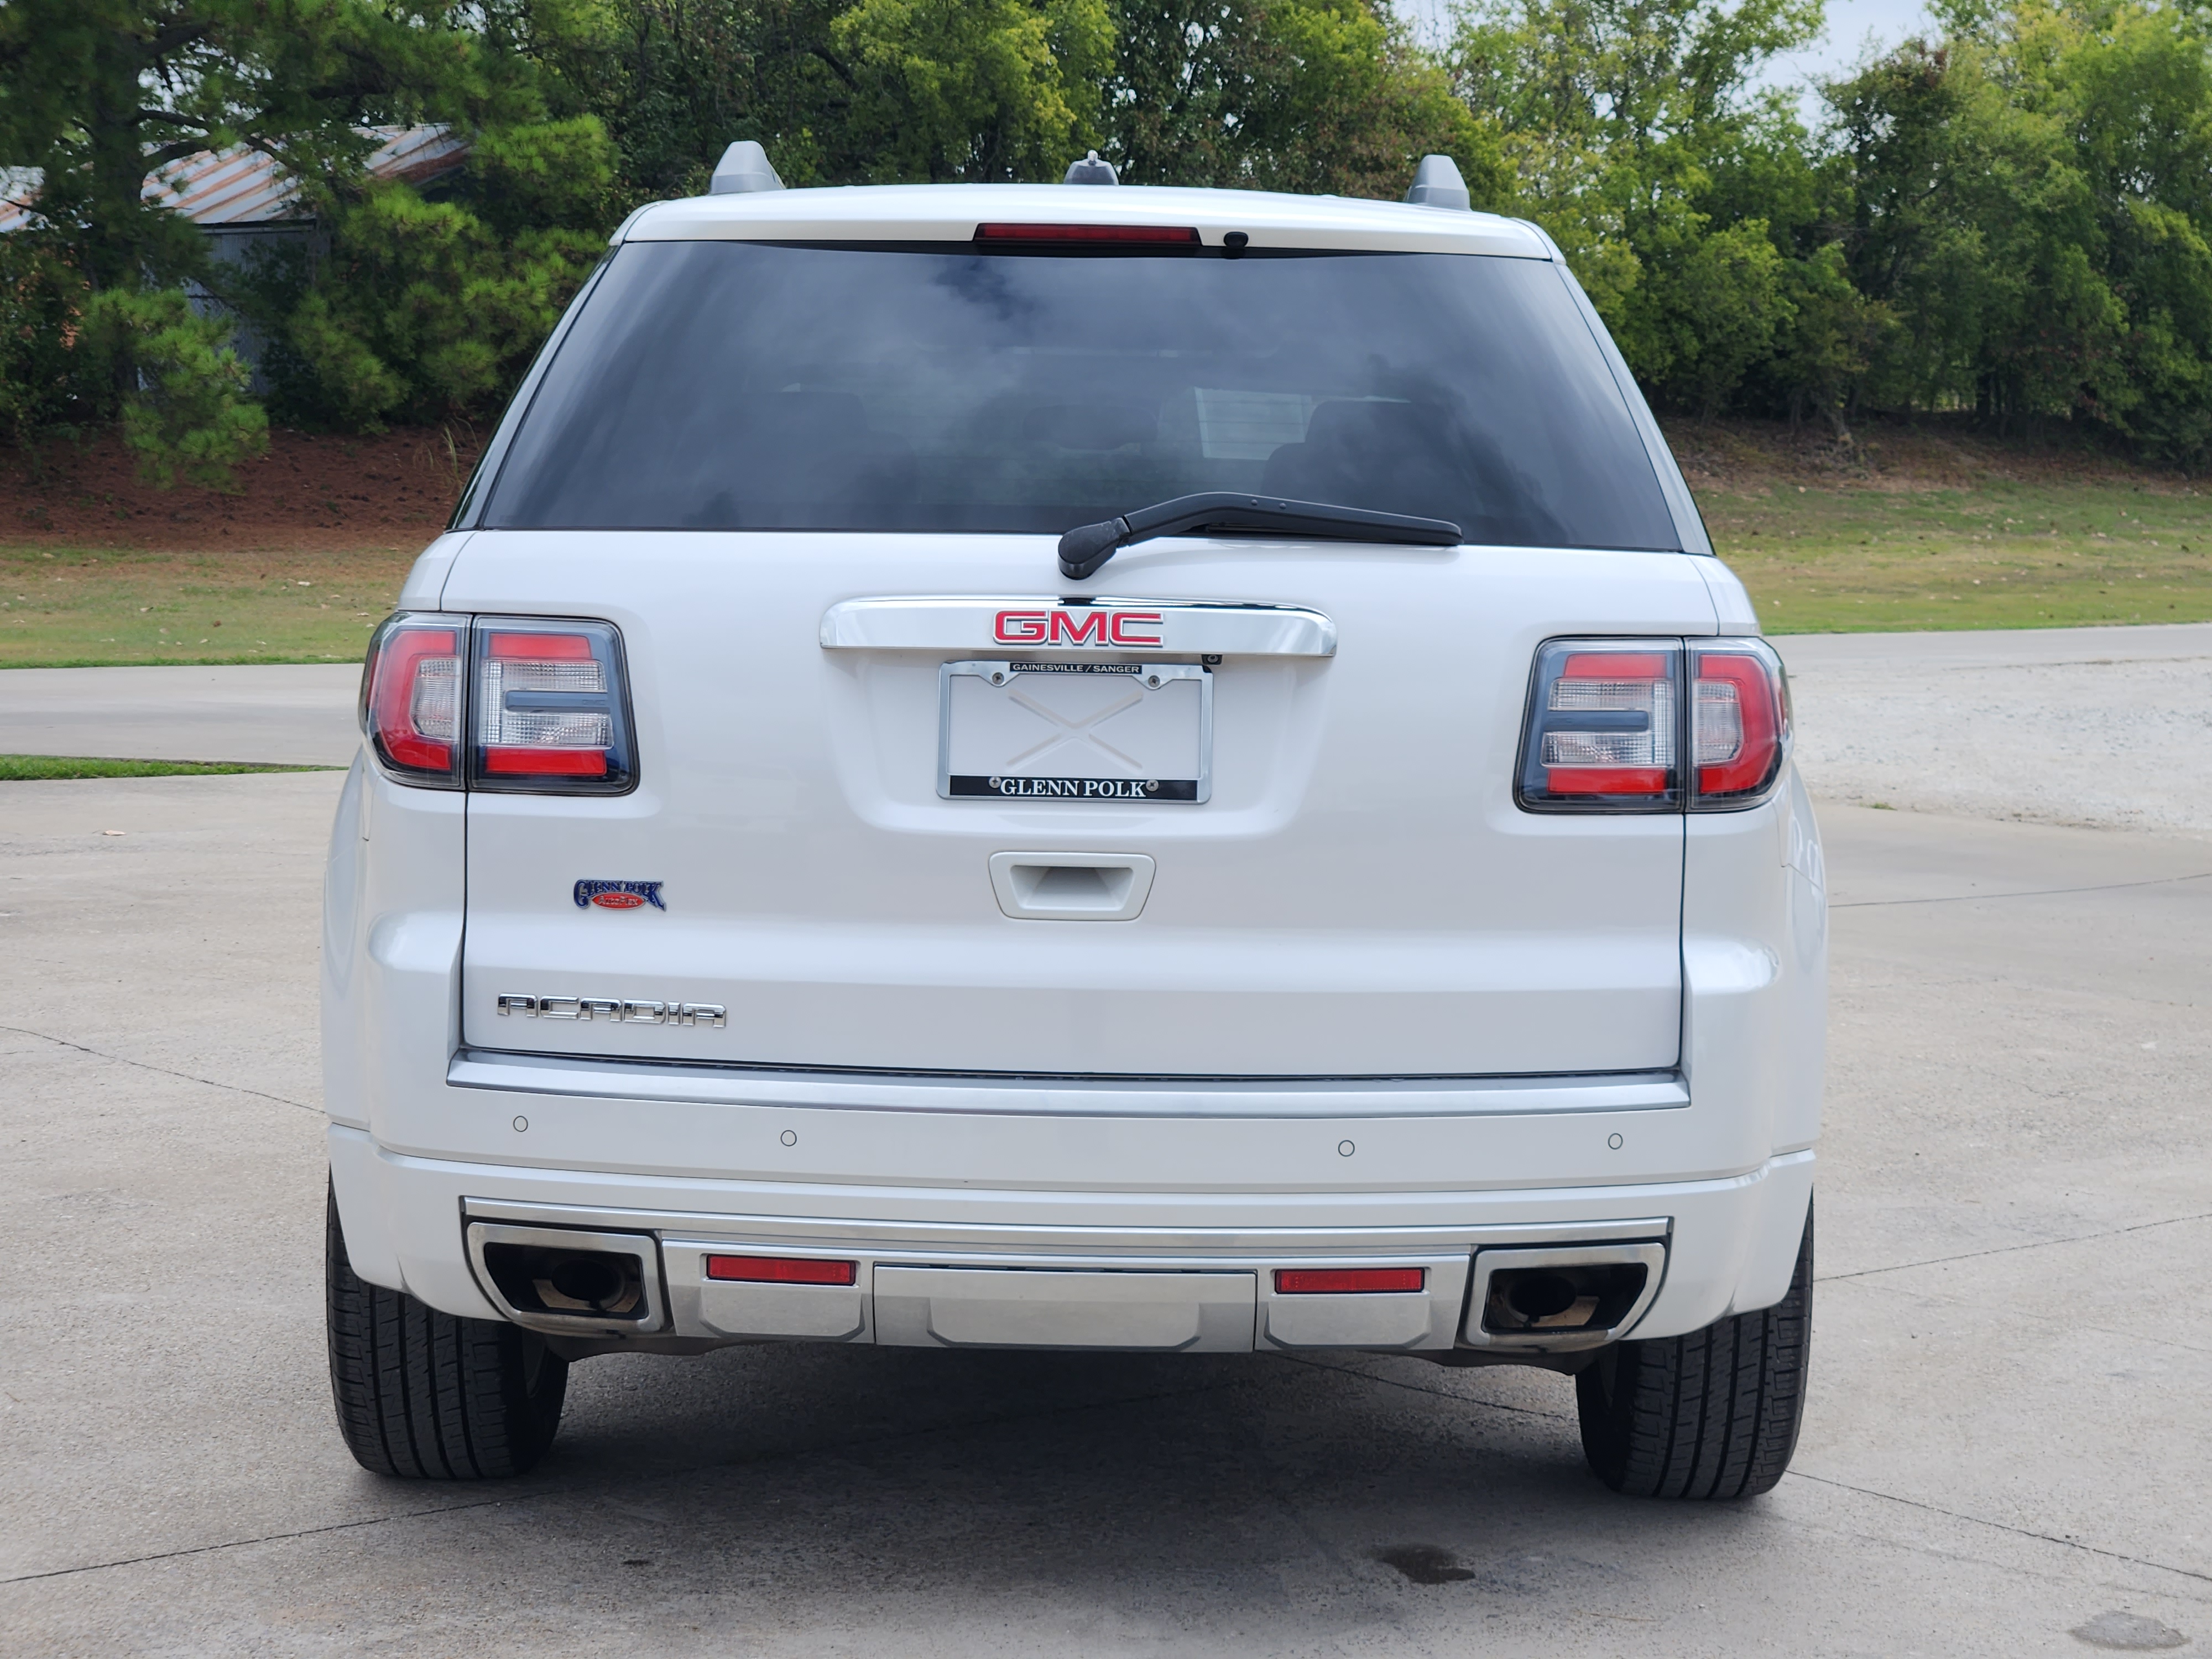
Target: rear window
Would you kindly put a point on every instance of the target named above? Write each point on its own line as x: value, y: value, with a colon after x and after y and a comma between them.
x: 736, y: 385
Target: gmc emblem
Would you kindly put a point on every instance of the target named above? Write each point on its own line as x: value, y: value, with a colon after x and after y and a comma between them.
x: 1140, y: 628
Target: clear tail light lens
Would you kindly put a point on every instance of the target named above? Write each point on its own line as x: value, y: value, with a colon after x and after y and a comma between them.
x: 1605, y: 727
x: 1740, y: 720
x: 412, y: 697
x: 551, y: 709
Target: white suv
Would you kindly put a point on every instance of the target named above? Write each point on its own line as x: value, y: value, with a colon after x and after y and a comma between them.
x: 1058, y: 767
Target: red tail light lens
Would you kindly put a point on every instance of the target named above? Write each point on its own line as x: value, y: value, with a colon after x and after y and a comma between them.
x: 551, y: 709
x: 1740, y: 720
x: 1604, y: 727
x: 412, y: 697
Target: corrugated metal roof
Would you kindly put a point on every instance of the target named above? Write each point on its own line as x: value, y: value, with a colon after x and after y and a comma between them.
x: 244, y: 186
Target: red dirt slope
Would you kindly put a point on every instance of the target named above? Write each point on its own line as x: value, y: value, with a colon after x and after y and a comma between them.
x: 320, y: 493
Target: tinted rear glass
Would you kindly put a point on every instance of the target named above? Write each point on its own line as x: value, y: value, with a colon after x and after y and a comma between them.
x: 743, y: 385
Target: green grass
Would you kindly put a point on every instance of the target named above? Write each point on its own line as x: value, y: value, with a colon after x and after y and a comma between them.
x: 1822, y: 557
x: 1855, y: 558
x: 83, y: 607
x: 43, y: 768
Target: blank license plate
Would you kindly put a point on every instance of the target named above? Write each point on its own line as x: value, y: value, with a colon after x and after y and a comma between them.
x: 1081, y: 731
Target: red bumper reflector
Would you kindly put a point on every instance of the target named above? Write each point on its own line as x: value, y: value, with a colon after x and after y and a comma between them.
x: 1338, y: 1281
x: 1174, y: 235
x: 783, y: 1270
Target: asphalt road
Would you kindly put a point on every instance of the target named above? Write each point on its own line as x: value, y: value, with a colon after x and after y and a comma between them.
x: 2006, y: 1440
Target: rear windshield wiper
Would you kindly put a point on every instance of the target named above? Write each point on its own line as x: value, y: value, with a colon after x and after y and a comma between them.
x: 1087, y: 547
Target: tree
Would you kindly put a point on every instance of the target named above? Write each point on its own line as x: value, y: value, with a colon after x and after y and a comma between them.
x: 1619, y: 116
x: 972, y: 91
x: 1321, y: 95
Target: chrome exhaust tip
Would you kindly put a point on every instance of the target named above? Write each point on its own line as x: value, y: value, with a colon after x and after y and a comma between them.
x: 1561, y: 1298
x: 568, y: 1282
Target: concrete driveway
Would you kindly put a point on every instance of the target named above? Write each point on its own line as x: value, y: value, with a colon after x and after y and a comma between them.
x: 2006, y: 1440
x: 277, y: 714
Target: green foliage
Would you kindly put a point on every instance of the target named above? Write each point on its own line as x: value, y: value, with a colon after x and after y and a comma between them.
x: 425, y: 309
x: 2013, y: 216
x: 974, y: 91
x: 1317, y: 95
x: 186, y: 411
x: 41, y: 293
x: 1625, y: 121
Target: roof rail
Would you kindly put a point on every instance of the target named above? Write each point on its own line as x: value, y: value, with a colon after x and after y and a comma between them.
x: 743, y: 167
x: 1436, y: 184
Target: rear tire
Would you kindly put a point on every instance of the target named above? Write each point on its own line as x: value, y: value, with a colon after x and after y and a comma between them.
x: 1712, y: 1414
x: 429, y: 1396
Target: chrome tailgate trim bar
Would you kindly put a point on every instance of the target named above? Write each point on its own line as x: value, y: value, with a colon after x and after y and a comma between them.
x: 1030, y: 624
x: 693, y: 1083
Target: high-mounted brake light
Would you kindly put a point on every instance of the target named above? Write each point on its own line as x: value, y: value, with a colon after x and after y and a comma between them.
x: 1112, y: 235
x: 1604, y: 727
x: 781, y: 1270
x: 412, y: 697
x: 1740, y: 720
x: 550, y: 714
x: 1339, y: 1281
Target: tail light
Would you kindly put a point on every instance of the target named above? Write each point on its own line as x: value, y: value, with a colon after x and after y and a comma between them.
x: 535, y: 705
x: 1653, y: 725
x: 1740, y: 720
x: 1604, y: 727
x: 550, y: 712
x: 412, y: 697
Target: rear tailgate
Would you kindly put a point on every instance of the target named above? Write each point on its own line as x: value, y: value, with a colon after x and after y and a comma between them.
x: 1357, y: 895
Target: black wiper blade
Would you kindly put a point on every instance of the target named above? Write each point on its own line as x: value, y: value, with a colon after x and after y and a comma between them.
x: 1087, y: 547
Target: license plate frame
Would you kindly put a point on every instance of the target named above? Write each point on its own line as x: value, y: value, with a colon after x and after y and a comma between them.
x: 989, y: 708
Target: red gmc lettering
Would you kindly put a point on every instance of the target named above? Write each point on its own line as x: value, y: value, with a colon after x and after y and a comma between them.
x: 1092, y: 630
x: 1101, y: 627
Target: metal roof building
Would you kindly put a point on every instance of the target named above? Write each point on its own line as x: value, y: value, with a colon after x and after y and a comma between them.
x: 241, y: 186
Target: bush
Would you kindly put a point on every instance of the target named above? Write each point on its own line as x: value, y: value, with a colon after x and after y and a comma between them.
x: 186, y: 404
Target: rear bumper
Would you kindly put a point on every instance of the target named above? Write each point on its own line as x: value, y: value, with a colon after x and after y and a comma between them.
x: 936, y: 1265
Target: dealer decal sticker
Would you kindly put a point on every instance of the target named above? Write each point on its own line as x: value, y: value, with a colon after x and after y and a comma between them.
x: 619, y: 895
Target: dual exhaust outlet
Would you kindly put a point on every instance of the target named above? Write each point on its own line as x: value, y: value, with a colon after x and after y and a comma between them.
x: 1547, y: 1299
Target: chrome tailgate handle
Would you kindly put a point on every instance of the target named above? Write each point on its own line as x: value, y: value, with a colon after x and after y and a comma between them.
x: 1072, y: 886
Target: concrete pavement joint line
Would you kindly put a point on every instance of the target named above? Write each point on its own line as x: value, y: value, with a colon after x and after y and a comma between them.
x: 1415, y: 1387
x: 164, y: 1070
x: 576, y: 1490
x: 2000, y: 1526
x: 2036, y: 892
x: 2007, y: 1250
x: 271, y: 1538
